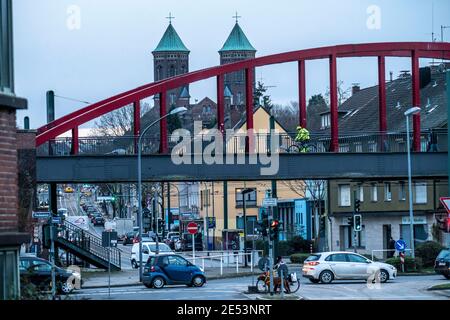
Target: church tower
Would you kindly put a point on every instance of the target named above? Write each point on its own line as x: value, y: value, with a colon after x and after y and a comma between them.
x: 236, y: 48
x: 171, y: 58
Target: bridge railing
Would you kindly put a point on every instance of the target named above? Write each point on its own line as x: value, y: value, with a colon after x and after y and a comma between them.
x: 349, y: 142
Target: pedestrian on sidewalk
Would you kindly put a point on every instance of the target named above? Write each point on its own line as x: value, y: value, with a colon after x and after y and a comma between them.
x: 391, y: 247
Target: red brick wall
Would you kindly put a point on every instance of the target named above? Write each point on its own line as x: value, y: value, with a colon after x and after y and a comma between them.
x: 8, y: 171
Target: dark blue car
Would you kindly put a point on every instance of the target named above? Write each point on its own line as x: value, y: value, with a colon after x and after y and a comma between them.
x: 171, y: 269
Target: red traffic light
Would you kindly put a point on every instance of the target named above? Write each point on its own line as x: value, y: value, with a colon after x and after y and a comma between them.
x: 274, y: 224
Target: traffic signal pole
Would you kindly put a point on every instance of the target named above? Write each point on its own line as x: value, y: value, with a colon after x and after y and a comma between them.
x: 355, y: 238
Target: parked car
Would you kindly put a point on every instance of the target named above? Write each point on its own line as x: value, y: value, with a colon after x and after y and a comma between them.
x: 172, y: 241
x: 442, y: 263
x: 129, y: 237
x: 148, y: 249
x: 171, y: 269
x: 328, y: 266
x: 38, y: 272
x: 186, y: 242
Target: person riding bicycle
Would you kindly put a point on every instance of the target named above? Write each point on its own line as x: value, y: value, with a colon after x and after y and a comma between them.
x: 283, y: 273
x: 303, y: 137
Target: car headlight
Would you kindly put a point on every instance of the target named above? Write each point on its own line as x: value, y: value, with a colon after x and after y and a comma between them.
x: 201, y: 269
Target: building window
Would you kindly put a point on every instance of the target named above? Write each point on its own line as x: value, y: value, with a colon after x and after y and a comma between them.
x: 360, y: 193
x: 250, y: 198
x: 9, y: 274
x: 344, y: 195
x: 349, y: 238
x: 239, y: 98
x: 374, y: 192
x: 344, y: 148
x: 204, y: 199
x: 372, y: 145
x: 358, y: 146
x: 172, y: 98
x: 401, y: 191
x: 387, y: 191
x: 420, y: 192
x: 325, y: 121
x: 251, y: 221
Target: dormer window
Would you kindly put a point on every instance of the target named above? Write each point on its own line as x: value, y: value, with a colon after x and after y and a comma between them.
x: 325, y: 121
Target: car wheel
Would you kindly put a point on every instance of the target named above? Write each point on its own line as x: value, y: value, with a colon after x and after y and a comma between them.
x: 382, y: 275
x: 66, y: 287
x: 447, y: 276
x: 148, y: 285
x: 198, y: 281
x: 158, y: 283
x: 134, y: 264
x: 326, y: 276
x: 314, y: 280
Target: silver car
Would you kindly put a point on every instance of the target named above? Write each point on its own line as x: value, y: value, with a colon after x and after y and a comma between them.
x: 328, y: 266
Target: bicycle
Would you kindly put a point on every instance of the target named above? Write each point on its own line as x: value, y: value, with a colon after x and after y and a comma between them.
x: 263, y: 282
x: 302, y: 147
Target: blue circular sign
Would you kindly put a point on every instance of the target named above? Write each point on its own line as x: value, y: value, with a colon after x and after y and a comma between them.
x: 400, y: 245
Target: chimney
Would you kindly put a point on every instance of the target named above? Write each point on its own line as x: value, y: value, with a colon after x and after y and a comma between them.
x: 391, y: 75
x: 355, y: 88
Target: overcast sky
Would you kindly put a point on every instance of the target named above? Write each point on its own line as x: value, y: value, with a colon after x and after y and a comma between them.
x: 109, y: 51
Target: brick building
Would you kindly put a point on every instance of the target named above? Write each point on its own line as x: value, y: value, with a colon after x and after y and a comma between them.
x: 10, y: 237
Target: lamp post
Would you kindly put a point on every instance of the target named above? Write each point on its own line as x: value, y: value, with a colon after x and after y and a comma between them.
x: 244, y: 192
x: 174, y: 111
x: 408, y: 113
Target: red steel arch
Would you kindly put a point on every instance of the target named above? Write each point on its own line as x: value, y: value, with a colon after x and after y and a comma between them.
x: 415, y: 50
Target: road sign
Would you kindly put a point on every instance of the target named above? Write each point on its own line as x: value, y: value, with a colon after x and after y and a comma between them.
x: 400, y: 245
x: 270, y: 202
x: 41, y: 215
x: 446, y: 203
x: 192, y: 228
x: 109, y: 239
x: 56, y: 220
x: 211, y: 222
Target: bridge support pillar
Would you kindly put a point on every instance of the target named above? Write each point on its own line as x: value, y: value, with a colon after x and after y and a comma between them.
x: 302, y: 93
x: 249, y: 144
x: 220, y: 103
x: 136, y: 122
x: 334, y: 145
x: 415, y: 99
x: 382, y: 100
x: 74, y: 141
x: 163, y: 148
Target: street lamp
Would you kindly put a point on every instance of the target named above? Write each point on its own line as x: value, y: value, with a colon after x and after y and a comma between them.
x: 408, y: 113
x: 173, y: 112
x: 244, y: 192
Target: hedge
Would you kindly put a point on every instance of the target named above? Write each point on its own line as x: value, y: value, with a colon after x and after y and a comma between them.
x: 411, y: 265
x: 428, y: 251
x: 299, y: 257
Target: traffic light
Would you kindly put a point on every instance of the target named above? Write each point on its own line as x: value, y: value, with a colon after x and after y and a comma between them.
x: 274, y: 228
x: 350, y: 221
x: 357, y: 205
x: 322, y: 223
x: 262, y: 226
x: 358, y: 222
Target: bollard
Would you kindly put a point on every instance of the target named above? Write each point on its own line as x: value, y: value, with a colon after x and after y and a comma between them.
x: 282, y: 284
x: 251, y: 262
x: 203, y: 263
x: 221, y: 265
x: 237, y: 263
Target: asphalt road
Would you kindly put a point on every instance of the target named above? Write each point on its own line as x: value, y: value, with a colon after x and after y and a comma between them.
x: 402, y: 288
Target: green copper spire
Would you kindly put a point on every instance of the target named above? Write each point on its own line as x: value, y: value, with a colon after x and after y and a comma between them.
x: 237, y: 41
x: 171, y: 41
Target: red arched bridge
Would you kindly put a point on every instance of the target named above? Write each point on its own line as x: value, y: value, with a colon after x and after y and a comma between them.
x: 415, y: 50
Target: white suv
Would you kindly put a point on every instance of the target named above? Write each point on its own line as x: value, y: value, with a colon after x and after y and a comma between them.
x: 328, y: 266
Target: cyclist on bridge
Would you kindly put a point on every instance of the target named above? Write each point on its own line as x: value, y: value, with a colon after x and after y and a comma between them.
x: 303, y: 137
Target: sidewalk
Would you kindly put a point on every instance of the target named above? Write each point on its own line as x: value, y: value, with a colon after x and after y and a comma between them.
x: 99, y: 279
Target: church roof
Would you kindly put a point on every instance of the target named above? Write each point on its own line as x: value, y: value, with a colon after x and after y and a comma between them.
x: 227, y: 92
x: 237, y: 41
x: 171, y: 41
x: 185, y: 93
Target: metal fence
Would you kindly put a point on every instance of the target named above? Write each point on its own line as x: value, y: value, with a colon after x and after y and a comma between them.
x: 349, y: 142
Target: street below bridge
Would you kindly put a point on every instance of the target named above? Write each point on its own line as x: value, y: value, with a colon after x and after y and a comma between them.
x: 402, y: 288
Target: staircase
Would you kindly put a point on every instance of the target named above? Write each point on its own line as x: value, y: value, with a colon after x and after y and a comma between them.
x: 87, y: 247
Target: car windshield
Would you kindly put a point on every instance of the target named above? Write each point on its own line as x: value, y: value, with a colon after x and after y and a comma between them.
x: 313, y: 257
x: 162, y: 247
x: 444, y: 254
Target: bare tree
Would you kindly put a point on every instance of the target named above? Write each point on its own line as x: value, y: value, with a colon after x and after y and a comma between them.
x: 342, y: 93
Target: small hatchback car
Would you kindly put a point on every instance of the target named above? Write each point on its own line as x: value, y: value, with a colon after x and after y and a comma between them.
x: 328, y: 266
x: 171, y: 269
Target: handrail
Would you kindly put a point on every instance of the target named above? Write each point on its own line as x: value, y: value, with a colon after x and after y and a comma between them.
x: 91, y: 243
